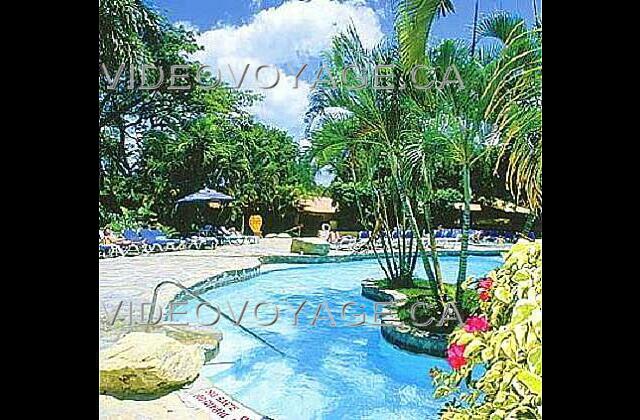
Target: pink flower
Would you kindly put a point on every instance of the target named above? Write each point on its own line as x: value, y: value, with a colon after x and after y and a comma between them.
x: 484, y: 296
x: 486, y: 283
x: 455, y: 356
x: 476, y: 323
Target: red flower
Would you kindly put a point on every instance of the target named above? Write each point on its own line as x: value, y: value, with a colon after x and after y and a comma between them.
x: 486, y: 283
x: 455, y: 355
x: 484, y: 296
x: 476, y: 323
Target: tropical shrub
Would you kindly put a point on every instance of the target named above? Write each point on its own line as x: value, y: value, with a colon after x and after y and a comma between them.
x: 129, y: 219
x: 430, y: 307
x: 498, y: 354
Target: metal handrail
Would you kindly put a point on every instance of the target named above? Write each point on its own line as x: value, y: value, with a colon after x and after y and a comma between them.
x: 195, y: 295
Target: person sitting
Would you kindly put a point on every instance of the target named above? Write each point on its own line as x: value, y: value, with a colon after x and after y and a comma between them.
x: 334, y: 237
x: 109, y: 238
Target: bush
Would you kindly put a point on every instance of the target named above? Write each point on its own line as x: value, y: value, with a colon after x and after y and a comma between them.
x: 506, y: 341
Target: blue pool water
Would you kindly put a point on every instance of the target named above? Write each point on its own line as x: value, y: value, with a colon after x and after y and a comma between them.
x: 340, y: 372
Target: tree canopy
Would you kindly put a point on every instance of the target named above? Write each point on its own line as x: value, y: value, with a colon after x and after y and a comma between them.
x: 157, y: 145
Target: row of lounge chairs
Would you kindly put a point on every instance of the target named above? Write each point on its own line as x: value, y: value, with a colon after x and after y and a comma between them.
x: 147, y: 241
x: 445, y: 238
x: 224, y: 236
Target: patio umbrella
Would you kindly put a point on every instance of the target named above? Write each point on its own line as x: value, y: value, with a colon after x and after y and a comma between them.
x: 205, y: 195
x: 202, y: 197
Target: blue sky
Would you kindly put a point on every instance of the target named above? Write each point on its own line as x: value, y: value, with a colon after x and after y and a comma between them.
x: 209, y: 13
x: 290, y: 33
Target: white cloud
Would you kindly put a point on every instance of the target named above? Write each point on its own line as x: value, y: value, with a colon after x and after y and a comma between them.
x: 189, y: 26
x: 287, y: 36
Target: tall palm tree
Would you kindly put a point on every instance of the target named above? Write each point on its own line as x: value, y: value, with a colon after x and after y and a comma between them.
x: 499, y: 100
x: 376, y: 116
x: 513, y: 99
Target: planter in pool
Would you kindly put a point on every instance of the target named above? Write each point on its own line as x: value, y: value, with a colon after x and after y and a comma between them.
x: 309, y: 246
x: 397, y: 332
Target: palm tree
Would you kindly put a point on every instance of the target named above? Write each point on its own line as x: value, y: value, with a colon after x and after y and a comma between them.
x: 397, y: 132
x: 375, y: 128
x: 514, y: 103
x: 499, y: 100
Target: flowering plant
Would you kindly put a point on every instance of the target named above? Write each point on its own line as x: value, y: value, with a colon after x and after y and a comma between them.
x: 505, y: 341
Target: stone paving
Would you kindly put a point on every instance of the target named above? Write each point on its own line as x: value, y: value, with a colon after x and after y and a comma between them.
x: 133, y: 279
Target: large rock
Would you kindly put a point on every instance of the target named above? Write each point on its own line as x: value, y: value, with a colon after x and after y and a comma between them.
x: 207, y: 340
x: 147, y: 365
x: 309, y: 246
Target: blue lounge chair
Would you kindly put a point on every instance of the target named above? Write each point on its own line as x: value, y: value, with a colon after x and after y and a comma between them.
x: 150, y: 238
x: 225, y: 236
x: 104, y: 251
x: 137, y: 244
x: 167, y: 243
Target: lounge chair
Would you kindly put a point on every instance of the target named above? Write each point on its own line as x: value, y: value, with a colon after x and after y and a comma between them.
x: 167, y: 243
x: 157, y: 240
x: 205, y: 237
x: 150, y: 239
x: 136, y: 244
x: 235, y: 238
x: 345, y: 243
x: 364, y: 235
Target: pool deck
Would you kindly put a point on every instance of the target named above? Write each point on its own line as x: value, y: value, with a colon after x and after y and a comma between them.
x: 133, y: 280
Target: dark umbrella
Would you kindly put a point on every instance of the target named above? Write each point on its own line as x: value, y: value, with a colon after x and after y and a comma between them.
x: 204, y: 196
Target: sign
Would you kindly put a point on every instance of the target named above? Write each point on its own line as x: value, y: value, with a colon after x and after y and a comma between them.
x: 218, y: 405
x: 255, y: 223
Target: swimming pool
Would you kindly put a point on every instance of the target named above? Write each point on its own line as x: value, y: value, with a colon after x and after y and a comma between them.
x: 336, y: 372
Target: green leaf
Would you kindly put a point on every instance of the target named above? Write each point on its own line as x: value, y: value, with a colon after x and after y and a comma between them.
x: 531, y: 381
x: 473, y: 346
x: 503, y: 294
x: 465, y: 338
x: 535, y: 360
x: 522, y: 311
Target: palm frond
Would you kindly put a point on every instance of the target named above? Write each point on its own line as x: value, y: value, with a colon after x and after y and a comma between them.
x: 413, y: 24
x: 501, y: 25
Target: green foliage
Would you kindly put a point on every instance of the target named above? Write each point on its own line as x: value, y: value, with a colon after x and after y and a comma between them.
x: 510, y: 352
x: 403, y: 149
x: 159, y: 145
x: 126, y: 26
x: 432, y: 309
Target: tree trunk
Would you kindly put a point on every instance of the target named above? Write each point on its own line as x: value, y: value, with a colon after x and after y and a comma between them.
x: 466, y: 222
x: 434, y: 250
x: 535, y: 14
x: 528, y: 224
x: 475, y: 31
x: 428, y: 227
